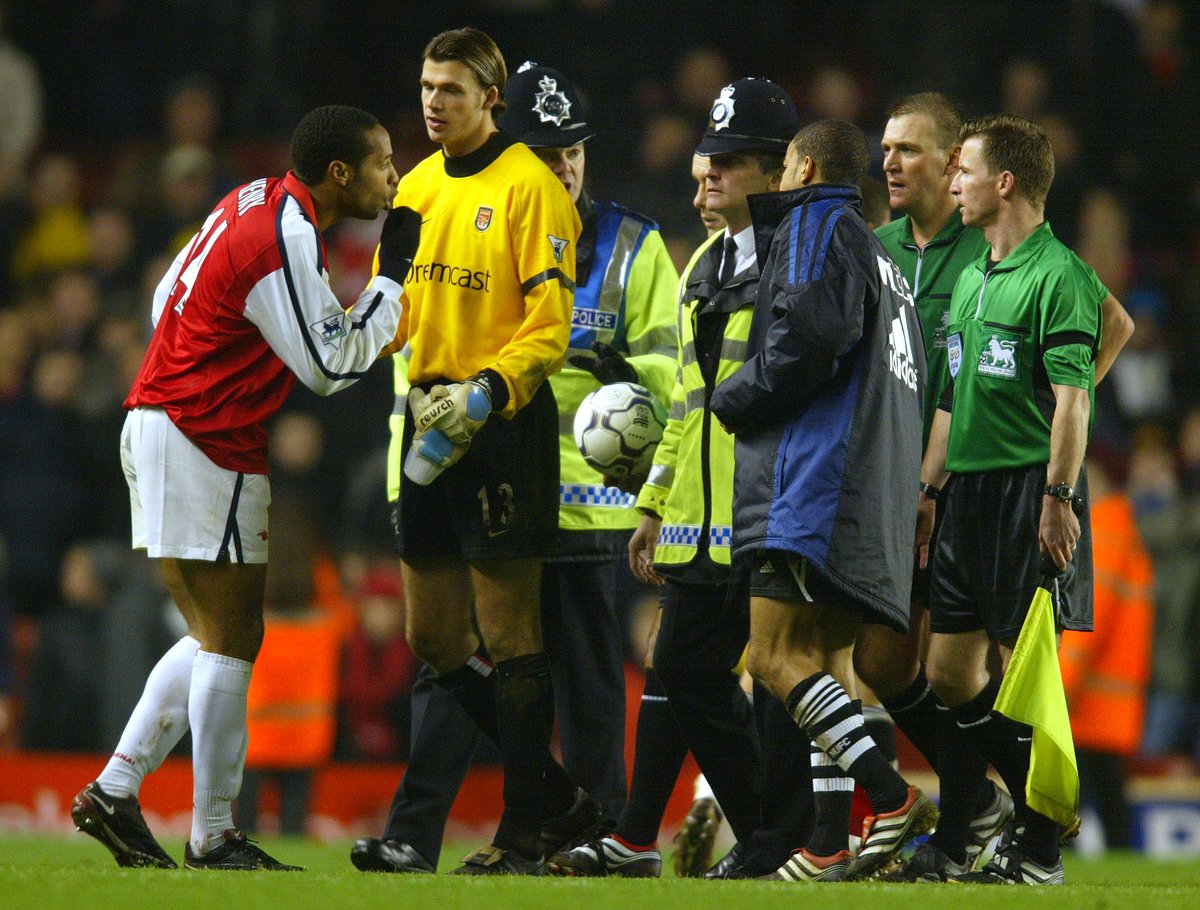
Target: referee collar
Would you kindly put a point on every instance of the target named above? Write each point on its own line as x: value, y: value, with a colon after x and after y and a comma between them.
x: 1027, y: 248
x: 473, y: 162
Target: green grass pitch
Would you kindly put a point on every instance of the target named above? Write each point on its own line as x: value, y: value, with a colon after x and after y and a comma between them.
x: 46, y: 873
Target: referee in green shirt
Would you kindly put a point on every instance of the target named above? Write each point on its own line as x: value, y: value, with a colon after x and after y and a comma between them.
x: 932, y: 247
x: 1022, y: 349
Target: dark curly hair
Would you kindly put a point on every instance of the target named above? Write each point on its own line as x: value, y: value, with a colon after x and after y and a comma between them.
x: 332, y: 133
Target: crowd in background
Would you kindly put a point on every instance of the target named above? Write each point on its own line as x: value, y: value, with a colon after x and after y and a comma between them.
x: 122, y: 123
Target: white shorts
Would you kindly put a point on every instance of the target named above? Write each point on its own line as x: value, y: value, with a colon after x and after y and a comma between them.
x: 183, y: 505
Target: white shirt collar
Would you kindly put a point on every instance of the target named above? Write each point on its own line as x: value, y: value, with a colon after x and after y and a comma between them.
x: 746, y: 253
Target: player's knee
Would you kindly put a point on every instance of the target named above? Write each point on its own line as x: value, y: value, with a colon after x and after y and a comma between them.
x: 949, y: 683
x: 442, y: 651
x: 762, y: 664
x: 887, y: 672
x: 241, y: 639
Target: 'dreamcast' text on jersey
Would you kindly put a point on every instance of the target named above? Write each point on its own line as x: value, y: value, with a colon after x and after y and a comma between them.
x: 450, y: 274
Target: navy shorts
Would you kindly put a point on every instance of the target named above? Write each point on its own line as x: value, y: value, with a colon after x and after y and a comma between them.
x: 499, y: 502
x: 986, y: 562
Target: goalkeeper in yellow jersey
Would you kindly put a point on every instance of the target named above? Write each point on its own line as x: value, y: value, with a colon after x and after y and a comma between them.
x: 487, y: 316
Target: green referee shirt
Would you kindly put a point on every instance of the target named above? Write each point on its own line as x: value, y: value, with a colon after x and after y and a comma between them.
x: 932, y: 271
x: 1032, y: 320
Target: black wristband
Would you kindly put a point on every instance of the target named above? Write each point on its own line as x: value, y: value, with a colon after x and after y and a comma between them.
x: 496, y: 387
x: 930, y: 491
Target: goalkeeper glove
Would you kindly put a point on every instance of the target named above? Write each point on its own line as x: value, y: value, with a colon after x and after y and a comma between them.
x: 457, y: 410
x: 398, y: 243
x: 608, y: 366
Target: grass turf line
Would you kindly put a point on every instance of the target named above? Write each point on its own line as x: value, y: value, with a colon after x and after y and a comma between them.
x: 48, y: 873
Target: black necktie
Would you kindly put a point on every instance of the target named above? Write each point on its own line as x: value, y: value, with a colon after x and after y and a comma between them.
x: 729, y: 262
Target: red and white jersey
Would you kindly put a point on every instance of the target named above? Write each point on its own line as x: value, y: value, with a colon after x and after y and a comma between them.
x: 246, y: 308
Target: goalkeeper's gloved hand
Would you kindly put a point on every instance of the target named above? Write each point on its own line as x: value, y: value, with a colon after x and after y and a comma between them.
x: 458, y: 410
x: 608, y: 366
x: 398, y: 242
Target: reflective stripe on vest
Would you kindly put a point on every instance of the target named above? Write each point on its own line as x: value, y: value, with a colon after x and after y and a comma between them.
x: 599, y: 322
x: 595, y: 495
x: 689, y: 536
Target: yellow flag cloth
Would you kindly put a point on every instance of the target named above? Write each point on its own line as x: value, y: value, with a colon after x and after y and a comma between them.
x: 1032, y: 693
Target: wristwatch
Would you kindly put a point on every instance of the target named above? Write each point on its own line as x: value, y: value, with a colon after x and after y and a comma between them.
x: 1063, y: 492
x: 930, y: 491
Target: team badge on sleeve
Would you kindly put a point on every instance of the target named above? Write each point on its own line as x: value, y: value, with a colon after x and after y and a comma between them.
x: 331, y: 329
x: 722, y: 109
x: 558, y: 245
x: 483, y: 218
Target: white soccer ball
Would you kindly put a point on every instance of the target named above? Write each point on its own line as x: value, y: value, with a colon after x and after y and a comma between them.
x: 618, y: 427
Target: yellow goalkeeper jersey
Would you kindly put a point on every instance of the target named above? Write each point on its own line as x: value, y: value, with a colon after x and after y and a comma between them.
x: 493, y: 279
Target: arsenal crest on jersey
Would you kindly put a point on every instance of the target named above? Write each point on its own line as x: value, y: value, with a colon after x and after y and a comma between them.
x: 483, y: 218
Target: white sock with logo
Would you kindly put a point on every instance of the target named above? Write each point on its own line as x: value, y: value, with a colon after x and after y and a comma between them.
x: 217, y: 710
x: 157, y: 723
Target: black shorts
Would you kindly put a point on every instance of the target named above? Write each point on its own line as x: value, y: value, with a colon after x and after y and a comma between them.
x: 986, y: 563
x: 781, y: 575
x: 499, y: 502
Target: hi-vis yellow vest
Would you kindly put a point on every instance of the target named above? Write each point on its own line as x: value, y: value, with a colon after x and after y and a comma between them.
x: 691, y: 483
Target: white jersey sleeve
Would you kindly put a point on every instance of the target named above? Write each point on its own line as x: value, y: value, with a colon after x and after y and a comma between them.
x: 163, y: 291
x: 296, y: 311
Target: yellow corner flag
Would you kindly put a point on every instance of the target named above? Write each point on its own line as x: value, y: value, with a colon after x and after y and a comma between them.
x: 1032, y: 693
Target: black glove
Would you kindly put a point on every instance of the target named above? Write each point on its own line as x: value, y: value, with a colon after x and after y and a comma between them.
x: 398, y: 242
x: 608, y: 365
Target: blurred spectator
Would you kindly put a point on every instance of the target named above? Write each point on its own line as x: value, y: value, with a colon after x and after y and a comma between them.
x: 1070, y: 176
x: 15, y: 353
x: 72, y: 314
x: 20, y: 131
x: 662, y: 186
x: 1139, y: 387
x: 47, y: 489
x: 834, y: 94
x: 20, y: 111
x: 1160, y: 96
x: 188, y: 180
x: 165, y: 186
x: 95, y: 649
x: 1106, y: 672
x: 56, y: 233
x: 1025, y: 88
x: 114, y: 264
x: 700, y: 75
x: 378, y: 670
x: 1167, y: 503
x: 62, y: 705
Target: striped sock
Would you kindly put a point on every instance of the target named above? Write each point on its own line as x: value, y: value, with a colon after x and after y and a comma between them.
x: 833, y: 793
x: 833, y: 722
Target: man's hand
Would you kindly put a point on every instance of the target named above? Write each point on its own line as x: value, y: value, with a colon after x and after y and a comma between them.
x: 1058, y: 531
x: 608, y: 366
x: 398, y: 242
x: 641, y: 550
x: 458, y: 410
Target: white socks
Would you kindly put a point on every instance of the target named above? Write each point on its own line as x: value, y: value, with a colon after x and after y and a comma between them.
x: 217, y: 710
x: 157, y: 723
